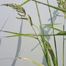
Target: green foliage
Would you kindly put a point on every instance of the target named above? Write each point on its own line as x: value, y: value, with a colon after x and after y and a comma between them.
x: 47, y: 49
x: 26, y: 1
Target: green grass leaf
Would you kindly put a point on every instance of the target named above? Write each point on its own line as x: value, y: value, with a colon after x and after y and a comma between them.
x: 51, y: 52
x: 60, y: 9
x: 30, y: 20
x: 61, y: 33
x: 26, y: 1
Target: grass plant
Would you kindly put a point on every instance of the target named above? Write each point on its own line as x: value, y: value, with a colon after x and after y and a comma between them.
x: 51, y: 56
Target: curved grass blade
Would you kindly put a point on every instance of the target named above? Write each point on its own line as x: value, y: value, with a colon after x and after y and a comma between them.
x: 3, y: 28
x: 51, y: 52
x: 31, y: 60
x: 17, y: 7
x: 61, y: 33
x: 30, y: 20
x: 50, y: 26
x: 60, y: 9
x: 15, y: 34
x: 18, y: 46
x: 42, y: 37
x: 26, y: 1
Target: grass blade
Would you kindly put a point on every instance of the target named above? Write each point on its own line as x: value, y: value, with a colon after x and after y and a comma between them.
x: 31, y: 60
x: 51, y: 52
x: 3, y: 28
x: 63, y: 10
x: 61, y: 33
x: 42, y: 38
x: 25, y: 2
x: 18, y: 46
x: 55, y: 62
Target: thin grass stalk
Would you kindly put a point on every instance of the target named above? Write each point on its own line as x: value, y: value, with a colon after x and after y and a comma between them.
x: 41, y: 29
x: 54, y: 7
x: 3, y: 28
x: 18, y: 46
x: 53, y: 34
x: 63, y: 49
x: 31, y: 35
x: 45, y: 51
x: 38, y: 41
x: 37, y: 37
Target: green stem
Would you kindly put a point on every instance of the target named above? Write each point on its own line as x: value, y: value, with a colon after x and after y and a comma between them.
x: 54, y: 7
x: 37, y: 37
x: 45, y: 51
x: 53, y: 35
x: 18, y: 45
x: 41, y: 29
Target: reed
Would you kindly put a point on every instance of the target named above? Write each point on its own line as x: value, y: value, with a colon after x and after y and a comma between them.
x: 51, y: 56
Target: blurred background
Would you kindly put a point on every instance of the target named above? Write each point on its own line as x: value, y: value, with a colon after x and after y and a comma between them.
x: 8, y: 46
